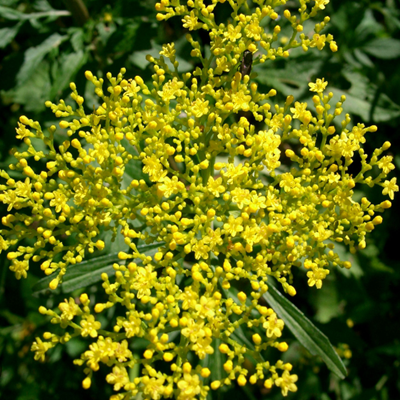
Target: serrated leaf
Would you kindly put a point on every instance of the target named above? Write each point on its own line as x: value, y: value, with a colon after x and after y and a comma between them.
x: 89, y: 272
x: 8, y: 34
x: 38, y: 87
x: 69, y: 66
x: 305, y: 331
x: 384, y: 48
x: 361, y: 96
x: 34, y: 55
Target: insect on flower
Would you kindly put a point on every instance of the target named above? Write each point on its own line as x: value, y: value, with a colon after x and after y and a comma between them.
x: 247, y: 61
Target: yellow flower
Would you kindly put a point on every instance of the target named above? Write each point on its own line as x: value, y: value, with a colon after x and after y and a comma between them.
x: 316, y: 276
x: 154, y: 168
x: 190, y: 21
x: 144, y: 280
x: 69, y: 309
x: 199, y: 108
x: 133, y: 325
x: 214, y: 210
x: 202, y: 347
x: 119, y: 377
x: 90, y: 326
x: 154, y: 387
x: 389, y: 187
x: 189, y: 387
x: 201, y: 250
x: 233, y: 32
x: 20, y: 268
x: 194, y: 330
x: 321, y: 3
x: 233, y: 226
x: 168, y: 187
x: 22, y: 132
x: 171, y: 90
x: 385, y: 164
x: 215, y: 186
x: 273, y: 326
x: 319, y: 86
x: 40, y: 348
x: 253, y: 30
x: 287, y: 383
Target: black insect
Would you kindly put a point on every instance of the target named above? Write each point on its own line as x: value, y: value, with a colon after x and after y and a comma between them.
x: 247, y: 61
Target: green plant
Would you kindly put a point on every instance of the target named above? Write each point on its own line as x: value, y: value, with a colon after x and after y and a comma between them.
x: 187, y: 166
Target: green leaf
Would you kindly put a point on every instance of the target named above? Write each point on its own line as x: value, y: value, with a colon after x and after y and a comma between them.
x: 11, y: 14
x: 215, y: 361
x: 77, y: 38
x: 8, y: 34
x: 69, y: 66
x: 89, y: 272
x: 14, y: 15
x: 138, y: 58
x: 384, y: 48
x: 123, y: 39
x: 305, y: 331
x: 105, y: 31
x: 363, y: 58
x: 239, y: 336
x: 361, y: 96
x: 38, y: 86
x: 133, y: 170
x: 291, y: 79
x: 326, y: 302
x: 34, y: 56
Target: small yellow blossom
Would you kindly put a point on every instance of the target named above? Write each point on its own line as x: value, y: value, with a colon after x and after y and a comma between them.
x: 319, y: 86
x: 287, y: 383
x: 389, y: 187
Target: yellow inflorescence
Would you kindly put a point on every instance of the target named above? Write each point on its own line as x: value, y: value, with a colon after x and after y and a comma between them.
x: 214, y: 198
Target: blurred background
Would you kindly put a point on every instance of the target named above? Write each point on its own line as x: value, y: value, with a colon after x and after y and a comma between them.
x: 44, y: 45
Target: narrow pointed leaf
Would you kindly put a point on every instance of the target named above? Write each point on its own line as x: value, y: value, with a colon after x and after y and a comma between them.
x: 305, y: 331
x: 215, y: 361
x: 89, y: 272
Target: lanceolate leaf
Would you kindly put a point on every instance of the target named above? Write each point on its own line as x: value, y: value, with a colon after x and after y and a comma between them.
x: 305, y: 331
x: 215, y: 361
x: 88, y: 272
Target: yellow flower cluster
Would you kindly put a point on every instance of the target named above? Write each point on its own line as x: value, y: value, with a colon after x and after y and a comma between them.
x: 216, y: 199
